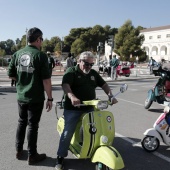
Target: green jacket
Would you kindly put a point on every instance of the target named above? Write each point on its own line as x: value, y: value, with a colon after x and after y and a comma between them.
x: 114, y: 62
x: 30, y: 66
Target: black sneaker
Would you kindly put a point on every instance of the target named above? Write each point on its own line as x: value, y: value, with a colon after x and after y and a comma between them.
x: 59, y: 163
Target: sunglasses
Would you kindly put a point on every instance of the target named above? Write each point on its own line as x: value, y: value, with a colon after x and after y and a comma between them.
x: 41, y: 39
x: 87, y: 64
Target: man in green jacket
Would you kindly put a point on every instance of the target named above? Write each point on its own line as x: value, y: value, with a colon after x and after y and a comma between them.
x: 29, y: 67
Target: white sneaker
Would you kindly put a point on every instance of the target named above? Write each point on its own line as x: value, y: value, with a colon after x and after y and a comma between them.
x: 59, y: 163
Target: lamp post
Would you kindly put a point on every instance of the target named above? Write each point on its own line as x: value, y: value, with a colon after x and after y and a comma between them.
x: 26, y: 36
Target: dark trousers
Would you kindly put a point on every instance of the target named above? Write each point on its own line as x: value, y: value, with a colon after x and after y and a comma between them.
x: 13, y: 82
x: 151, y: 69
x: 29, y: 115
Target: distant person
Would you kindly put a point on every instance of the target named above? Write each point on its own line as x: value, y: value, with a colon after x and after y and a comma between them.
x: 109, y: 67
x: 69, y: 61
x: 51, y: 62
x: 114, y: 62
x: 13, y: 82
x: 162, y: 61
x: 29, y: 67
x: 74, y: 61
x: 151, y: 64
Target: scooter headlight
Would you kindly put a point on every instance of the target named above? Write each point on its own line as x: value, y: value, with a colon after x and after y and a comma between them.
x: 102, y: 105
x: 104, y: 139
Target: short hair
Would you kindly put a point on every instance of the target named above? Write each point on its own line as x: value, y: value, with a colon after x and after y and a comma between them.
x: 86, y: 54
x: 33, y: 34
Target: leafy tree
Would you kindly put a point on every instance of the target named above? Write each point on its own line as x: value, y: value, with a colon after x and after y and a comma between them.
x: 128, y: 41
x: 23, y: 41
x: 78, y: 46
x: 46, y: 46
x: 9, y: 44
x: 2, y: 52
x: 3, y: 45
x: 17, y: 41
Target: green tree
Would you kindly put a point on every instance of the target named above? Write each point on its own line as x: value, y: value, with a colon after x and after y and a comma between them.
x: 22, y: 43
x: 46, y: 46
x: 2, y: 52
x: 128, y: 41
x: 78, y: 46
x: 9, y: 44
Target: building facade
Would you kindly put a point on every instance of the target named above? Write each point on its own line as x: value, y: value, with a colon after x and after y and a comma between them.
x: 157, y: 42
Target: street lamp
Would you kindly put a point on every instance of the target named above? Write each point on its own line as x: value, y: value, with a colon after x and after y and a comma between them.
x: 26, y: 36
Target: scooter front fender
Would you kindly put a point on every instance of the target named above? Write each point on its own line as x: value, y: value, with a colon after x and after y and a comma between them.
x: 153, y: 132
x: 109, y: 156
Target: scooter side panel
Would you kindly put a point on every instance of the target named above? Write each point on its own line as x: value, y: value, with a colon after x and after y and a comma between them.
x: 109, y: 156
x: 153, y: 132
x: 95, y: 125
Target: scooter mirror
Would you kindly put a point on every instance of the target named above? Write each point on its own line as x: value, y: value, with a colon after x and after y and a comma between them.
x: 123, y: 88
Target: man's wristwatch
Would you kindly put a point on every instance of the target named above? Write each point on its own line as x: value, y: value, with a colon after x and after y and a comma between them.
x: 50, y: 100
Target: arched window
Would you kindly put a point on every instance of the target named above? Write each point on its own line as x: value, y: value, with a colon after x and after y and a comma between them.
x: 154, y: 50
x: 163, y: 50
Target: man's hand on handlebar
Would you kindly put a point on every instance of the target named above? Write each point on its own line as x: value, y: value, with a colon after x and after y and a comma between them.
x: 112, y: 100
x: 74, y: 100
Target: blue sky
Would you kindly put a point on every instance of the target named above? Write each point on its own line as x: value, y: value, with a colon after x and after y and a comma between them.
x: 58, y: 17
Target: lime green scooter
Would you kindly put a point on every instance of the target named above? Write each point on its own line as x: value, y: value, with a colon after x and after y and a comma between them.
x: 94, y: 135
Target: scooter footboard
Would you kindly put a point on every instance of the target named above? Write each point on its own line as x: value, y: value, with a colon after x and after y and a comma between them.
x: 109, y: 156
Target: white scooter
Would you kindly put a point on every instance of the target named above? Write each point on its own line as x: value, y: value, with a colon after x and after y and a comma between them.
x: 159, y: 133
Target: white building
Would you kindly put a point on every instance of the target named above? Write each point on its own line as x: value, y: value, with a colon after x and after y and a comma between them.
x: 157, y: 42
x: 109, y: 51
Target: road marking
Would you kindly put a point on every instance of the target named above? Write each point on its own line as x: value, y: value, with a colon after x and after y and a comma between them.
x: 139, y: 145
x: 131, y: 102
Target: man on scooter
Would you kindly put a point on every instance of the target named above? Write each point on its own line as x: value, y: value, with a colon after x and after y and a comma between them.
x: 79, y: 84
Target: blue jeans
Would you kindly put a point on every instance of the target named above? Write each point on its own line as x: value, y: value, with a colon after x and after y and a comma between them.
x: 71, y: 119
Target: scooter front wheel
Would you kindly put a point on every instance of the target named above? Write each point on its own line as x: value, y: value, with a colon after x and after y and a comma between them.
x: 100, y: 166
x: 150, y: 143
x: 148, y: 101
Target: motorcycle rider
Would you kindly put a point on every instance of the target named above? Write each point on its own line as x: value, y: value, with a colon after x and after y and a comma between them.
x: 78, y: 83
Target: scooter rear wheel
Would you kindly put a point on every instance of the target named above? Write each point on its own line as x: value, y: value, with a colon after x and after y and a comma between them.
x: 100, y: 166
x: 149, y: 145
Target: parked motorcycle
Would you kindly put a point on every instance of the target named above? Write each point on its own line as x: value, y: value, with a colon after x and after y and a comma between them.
x: 94, y: 135
x: 161, y: 91
x: 159, y: 133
